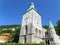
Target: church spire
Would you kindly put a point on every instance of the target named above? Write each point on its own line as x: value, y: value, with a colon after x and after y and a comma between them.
x: 31, y: 6
x: 50, y: 25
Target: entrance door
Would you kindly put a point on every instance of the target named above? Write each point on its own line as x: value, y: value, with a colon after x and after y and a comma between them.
x: 48, y: 42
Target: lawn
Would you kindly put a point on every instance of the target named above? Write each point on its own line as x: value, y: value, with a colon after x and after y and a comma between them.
x: 19, y: 44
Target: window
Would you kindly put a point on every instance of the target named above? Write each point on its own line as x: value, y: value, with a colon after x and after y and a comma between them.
x: 36, y: 31
x: 37, y: 22
x: 46, y: 34
x: 51, y: 39
x: 39, y: 32
x: 26, y: 28
x: 26, y: 17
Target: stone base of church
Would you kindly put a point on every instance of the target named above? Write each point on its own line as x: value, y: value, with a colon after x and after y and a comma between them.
x: 55, y: 43
x: 30, y: 39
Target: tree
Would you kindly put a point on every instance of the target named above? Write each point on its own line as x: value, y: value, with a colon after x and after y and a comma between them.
x: 16, y: 35
x: 58, y: 27
x: 58, y: 23
x: 46, y: 26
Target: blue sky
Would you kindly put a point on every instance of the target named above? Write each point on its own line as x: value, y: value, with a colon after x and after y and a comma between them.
x: 11, y: 11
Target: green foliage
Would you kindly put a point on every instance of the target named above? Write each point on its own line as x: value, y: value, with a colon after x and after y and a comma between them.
x: 58, y: 27
x: 14, y: 34
x: 58, y: 23
x: 19, y: 44
x: 46, y: 27
x: 9, y: 26
x: 58, y: 31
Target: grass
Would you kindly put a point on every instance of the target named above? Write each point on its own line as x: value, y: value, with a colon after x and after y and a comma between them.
x: 19, y: 44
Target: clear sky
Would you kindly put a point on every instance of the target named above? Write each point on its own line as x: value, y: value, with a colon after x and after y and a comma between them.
x: 11, y: 11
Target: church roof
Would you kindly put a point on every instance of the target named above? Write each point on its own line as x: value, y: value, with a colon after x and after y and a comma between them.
x: 32, y: 7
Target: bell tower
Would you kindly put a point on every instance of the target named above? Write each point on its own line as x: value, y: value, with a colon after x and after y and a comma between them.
x: 31, y: 28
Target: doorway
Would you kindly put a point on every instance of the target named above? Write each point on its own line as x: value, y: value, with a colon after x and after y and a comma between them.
x: 48, y: 42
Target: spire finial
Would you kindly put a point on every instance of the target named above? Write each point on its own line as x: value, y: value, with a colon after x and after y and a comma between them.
x: 31, y: 6
x: 32, y: 3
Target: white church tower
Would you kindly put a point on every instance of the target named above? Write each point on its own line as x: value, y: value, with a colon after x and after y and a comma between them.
x: 31, y: 29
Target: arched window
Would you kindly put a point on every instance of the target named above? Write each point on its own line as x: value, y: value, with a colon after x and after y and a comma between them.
x: 36, y: 31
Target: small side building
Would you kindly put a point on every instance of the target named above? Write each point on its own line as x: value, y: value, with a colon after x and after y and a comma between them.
x: 4, y: 38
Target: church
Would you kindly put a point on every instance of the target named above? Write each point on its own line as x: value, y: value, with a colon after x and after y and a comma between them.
x: 32, y: 30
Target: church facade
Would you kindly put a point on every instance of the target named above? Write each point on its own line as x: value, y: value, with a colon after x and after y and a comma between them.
x: 32, y: 30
